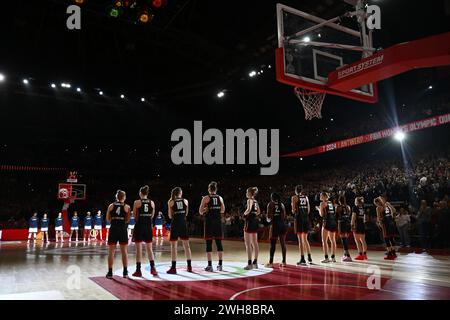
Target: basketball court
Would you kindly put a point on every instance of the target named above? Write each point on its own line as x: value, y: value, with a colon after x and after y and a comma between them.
x: 77, y: 271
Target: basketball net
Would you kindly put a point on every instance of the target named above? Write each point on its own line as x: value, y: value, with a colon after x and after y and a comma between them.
x: 312, y: 102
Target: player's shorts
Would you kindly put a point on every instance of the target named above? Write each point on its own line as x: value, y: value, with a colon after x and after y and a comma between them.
x: 33, y: 230
x: 277, y: 229
x: 118, y: 235
x: 87, y: 228
x: 143, y: 233
x: 158, y: 227
x: 360, y: 229
x: 108, y: 226
x: 131, y: 226
x: 60, y: 228
x: 301, y: 225
x: 330, y: 226
x: 74, y: 228
x: 213, y: 229
x: 178, y: 229
x: 388, y: 230
x: 251, y: 225
x: 44, y: 229
x: 97, y: 227
x: 344, y: 227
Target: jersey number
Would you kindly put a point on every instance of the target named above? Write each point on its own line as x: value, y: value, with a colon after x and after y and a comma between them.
x: 145, y: 207
x: 214, y: 201
x: 303, y: 201
x: 118, y: 211
x: 180, y: 205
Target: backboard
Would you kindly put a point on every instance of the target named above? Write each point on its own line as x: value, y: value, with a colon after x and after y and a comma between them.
x: 71, y: 191
x: 310, y: 48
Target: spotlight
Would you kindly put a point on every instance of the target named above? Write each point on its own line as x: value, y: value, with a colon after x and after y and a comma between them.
x: 252, y: 74
x: 220, y: 94
x: 25, y: 81
x: 158, y: 4
x: 53, y: 85
x: 2, y: 77
x: 78, y: 89
x: 319, y: 35
x: 306, y: 39
x: 142, y: 99
x: 100, y: 93
x: 399, y: 136
x: 430, y: 87
x: 144, y: 16
x: 122, y: 96
x: 68, y: 85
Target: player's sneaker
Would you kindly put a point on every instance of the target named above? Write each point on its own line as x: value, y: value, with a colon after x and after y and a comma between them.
x: 219, y: 268
x: 365, y: 256
x: 326, y: 260
x: 125, y: 275
x: 301, y: 263
x: 346, y: 259
x: 137, y: 273
x: 255, y: 266
x: 248, y: 267
x: 153, y: 271
x: 359, y: 257
x: 109, y: 275
x: 172, y: 271
x: 189, y: 268
x: 209, y: 269
x: 283, y: 264
x: 388, y: 257
x: 269, y: 265
x: 333, y: 259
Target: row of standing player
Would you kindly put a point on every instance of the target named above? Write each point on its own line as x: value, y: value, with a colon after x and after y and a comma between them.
x: 89, y: 223
x: 336, y: 217
x: 212, y: 206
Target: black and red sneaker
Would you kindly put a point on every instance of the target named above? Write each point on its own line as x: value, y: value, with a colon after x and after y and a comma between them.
x: 153, y: 271
x: 189, y: 268
x: 172, y: 271
x: 137, y: 273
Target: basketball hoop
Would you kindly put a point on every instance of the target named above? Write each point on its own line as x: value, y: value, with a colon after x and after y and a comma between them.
x: 312, y: 102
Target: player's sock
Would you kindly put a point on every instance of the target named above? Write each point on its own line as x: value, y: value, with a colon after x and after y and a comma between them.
x: 249, y: 262
x: 302, y: 257
x: 152, y: 263
x: 309, y: 257
x: 189, y: 263
x: 174, y: 264
x: 332, y: 256
x: 138, y: 266
x: 209, y: 263
x: 326, y: 256
x: 220, y: 262
x: 110, y: 270
x: 255, y: 261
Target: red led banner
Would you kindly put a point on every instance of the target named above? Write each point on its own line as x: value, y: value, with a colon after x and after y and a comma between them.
x: 409, y: 127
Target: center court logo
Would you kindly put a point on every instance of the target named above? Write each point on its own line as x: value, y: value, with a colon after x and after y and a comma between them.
x: 233, y: 149
x: 231, y: 270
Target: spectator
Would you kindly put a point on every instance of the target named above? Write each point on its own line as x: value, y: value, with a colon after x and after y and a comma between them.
x: 424, y: 224
x: 403, y: 221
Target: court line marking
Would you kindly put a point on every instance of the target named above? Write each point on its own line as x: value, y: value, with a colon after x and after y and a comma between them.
x: 233, y: 297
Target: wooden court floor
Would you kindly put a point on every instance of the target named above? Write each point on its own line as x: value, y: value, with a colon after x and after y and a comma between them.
x: 77, y: 271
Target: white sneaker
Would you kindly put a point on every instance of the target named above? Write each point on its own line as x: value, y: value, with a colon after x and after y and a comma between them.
x: 248, y: 267
x: 219, y: 268
x: 326, y: 260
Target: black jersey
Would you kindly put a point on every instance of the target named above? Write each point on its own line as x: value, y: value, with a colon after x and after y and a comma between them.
x: 179, y: 209
x: 360, y: 214
x: 302, y: 205
x: 118, y: 215
x: 145, y: 212
x: 214, y: 206
x: 330, y: 221
x: 344, y: 214
x: 251, y: 223
x: 387, y: 215
x: 277, y: 212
